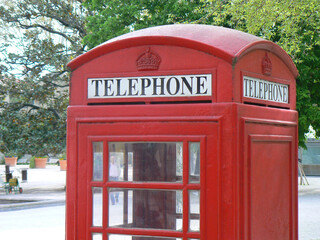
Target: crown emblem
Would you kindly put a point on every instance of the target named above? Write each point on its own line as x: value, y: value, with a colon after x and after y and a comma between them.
x: 266, y: 65
x: 148, y: 61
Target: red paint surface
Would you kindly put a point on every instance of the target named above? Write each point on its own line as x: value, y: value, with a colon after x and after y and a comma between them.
x: 248, y: 153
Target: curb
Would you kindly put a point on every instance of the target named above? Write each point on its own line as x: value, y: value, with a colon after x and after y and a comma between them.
x: 30, y: 204
x: 309, y: 191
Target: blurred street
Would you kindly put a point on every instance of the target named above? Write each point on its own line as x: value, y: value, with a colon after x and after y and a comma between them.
x: 35, y: 223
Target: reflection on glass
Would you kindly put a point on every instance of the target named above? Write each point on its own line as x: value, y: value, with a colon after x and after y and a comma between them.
x: 97, y: 204
x: 97, y: 236
x: 115, y: 162
x: 194, y: 162
x: 148, y: 209
x: 97, y: 161
x: 145, y: 161
x: 120, y: 207
x: 179, y: 159
x: 194, y: 210
x: 179, y: 209
x: 132, y: 237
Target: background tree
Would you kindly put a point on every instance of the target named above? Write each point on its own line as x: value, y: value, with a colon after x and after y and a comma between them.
x: 294, y: 25
x: 39, y: 37
x: 111, y: 18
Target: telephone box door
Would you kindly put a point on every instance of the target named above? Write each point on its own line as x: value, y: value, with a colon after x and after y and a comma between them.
x: 145, y: 180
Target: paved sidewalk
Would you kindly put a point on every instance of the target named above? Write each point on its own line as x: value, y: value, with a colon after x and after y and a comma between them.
x: 43, y: 187
x: 312, y: 188
x: 309, y: 208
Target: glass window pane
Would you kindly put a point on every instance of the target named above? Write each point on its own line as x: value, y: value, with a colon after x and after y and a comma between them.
x: 97, y: 161
x: 194, y: 162
x: 97, y: 204
x: 194, y: 210
x: 96, y: 236
x: 149, y: 209
x: 132, y: 237
x: 179, y: 209
x: 145, y: 161
x: 120, y: 207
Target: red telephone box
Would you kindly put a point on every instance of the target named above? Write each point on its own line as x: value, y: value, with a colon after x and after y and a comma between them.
x: 182, y: 132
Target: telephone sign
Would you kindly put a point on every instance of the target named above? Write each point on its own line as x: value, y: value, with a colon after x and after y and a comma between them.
x: 265, y: 90
x: 150, y: 86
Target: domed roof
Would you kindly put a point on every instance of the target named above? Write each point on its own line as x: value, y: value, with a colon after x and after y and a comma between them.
x: 225, y: 43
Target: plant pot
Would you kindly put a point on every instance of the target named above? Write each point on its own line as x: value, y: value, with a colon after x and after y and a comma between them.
x: 11, y: 161
x: 40, y: 162
x: 63, y: 165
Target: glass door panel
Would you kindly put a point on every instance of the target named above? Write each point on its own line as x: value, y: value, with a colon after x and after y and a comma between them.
x: 97, y: 236
x: 97, y: 206
x: 97, y: 149
x: 194, y: 211
x: 145, y: 161
x: 145, y: 189
x: 120, y: 211
x: 153, y: 209
x: 194, y: 162
x: 131, y: 237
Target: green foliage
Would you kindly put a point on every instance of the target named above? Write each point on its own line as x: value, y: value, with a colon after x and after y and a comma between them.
x: 39, y: 37
x: 10, y: 154
x: 111, y: 18
x: 2, y: 160
x: 63, y: 156
x: 294, y: 25
x: 32, y: 163
x: 37, y: 133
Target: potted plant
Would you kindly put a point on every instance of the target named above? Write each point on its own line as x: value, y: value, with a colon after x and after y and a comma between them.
x: 63, y: 162
x: 10, y: 158
x: 40, y: 157
x: 40, y: 162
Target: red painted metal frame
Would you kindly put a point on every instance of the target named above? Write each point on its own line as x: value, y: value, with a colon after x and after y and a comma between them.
x: 261, y: 129
x: 228, y: 125
x: 272, y: 139
x: 225, y: 183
